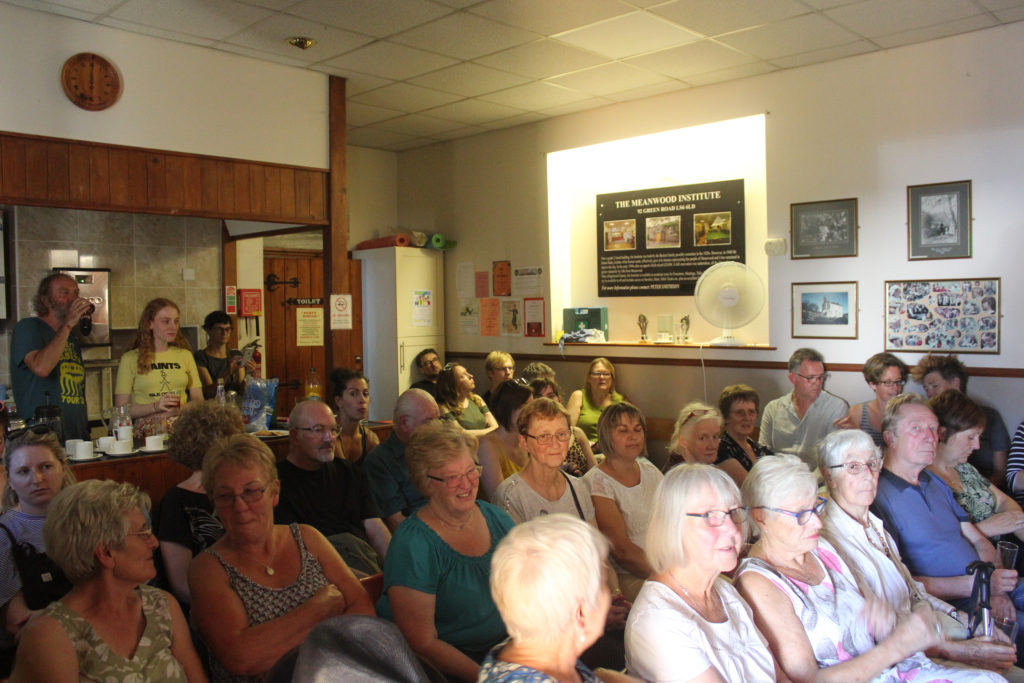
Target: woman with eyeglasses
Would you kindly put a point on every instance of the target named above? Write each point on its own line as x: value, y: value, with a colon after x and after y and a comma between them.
x: 961, y: 422
x: 806, y: 599
x: 598, y: 392
x: 696, y: 435
x: 501, y: 455
x: 215, y: 361
x: 110, y: 626
x: 886, y: 375
x: 37, y: 470
x: 580, y: 458
x: 738, y: 451
x: 621, y: 488
x: 850, y: 462
x: 458, y: 403
x: 259, y: 590
x: 689, y: 623
x: 437, y: 572
x: 351, y: 398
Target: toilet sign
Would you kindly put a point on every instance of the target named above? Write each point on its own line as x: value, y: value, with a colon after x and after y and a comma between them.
x: 341, y: 311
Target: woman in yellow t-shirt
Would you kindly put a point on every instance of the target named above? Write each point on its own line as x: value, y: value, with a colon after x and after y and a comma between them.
x: 158, y: 373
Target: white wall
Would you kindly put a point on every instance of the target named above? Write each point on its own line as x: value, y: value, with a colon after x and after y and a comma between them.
x: 372, y: 193
x: 175, y: 97
x: 862, y: 127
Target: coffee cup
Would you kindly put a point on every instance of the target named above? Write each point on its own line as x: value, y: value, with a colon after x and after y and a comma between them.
x: 70, y: 446
x: 83, y: 450
x: 104, y: 443
x: 155, y: 442
x: 120, y: 447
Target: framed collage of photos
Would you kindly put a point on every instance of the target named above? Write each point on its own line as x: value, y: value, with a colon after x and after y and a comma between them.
x: 961, y: 316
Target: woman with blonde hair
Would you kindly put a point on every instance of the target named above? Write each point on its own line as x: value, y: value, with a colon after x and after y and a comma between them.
x: 158, y: 373
x: 598, y: 392
x: 696, y: 435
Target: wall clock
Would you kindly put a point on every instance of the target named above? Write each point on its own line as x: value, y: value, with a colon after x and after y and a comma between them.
x: 90, y: 81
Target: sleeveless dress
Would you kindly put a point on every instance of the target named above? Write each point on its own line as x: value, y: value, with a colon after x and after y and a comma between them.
x: 152, y: 661
x: 865, y: 426
x: 830, y: 615
x: 263, y: 603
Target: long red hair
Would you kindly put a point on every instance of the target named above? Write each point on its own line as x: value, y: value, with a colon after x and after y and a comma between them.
x: 144, y: 335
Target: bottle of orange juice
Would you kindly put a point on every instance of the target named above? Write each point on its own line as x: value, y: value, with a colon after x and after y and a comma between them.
x: 314, y: 387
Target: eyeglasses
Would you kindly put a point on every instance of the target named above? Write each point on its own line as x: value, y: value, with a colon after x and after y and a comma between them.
x: 320, y: 429
x: 145, y: 533
x: 890, y: 383
x: 545, y: 439
x: 453, y: 481
x: 801, y: 516
x: 716, y: 518
x: 814, y: 378
x: 247, y: 495
x: 693, y: 413
x: 855, y: 468
x: 430, y: 361
x: 600, y: 375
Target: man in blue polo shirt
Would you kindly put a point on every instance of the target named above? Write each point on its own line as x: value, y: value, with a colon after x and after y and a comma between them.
x: 935, y: 537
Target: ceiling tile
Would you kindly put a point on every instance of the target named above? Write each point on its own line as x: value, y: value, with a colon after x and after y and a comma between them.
x: 520, y: 120
x: 628, y: 35
x: 648, y: 91
x: 419, y: 125
x: 405, y: 97
x: 375, y: 137
x: 355, y: 82
x: 546, y: 17
x: 1009, y: 15
x: 974, y: 23
x: 216, y: 19
x: 260, y: 54
x: 474, y: 112
x: 458, y: 4
x: 535, y: 96
x: 270, y: 35
x: 412, y: 143
x: 357, y: 114
x: 732, y: 73
x: 573, y: 107
x: 828, y: 4
x: 541, y: 59
x: 825, y: 55
x: 607, y: 78
x: 884, y: 17
x: 714, y: 18
x: 389, y: 60
x: 789, y: 37
x: 157, y: 32
x: 465, y: 36
x: 378, y: 18
x: 695, y: 58
x: 463, y: 132
x: 469, y: 79
x: 270, y: 4
x: 84, y: 9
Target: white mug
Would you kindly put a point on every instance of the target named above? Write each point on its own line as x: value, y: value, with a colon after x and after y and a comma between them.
x: 105, y: 443
x: 83, y: 450
x: 155, y: 443
x: 70, y: 446
x: 121, y: 446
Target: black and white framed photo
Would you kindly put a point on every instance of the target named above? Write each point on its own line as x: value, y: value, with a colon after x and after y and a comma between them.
x: 939, y: 220
x: 823, y: 229
x: 824, y: 310
x: 943, y: 315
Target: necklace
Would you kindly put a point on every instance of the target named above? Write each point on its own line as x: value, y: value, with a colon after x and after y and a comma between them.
x: 266, y: 567
x: 692, y: 601
x: 453, y: 525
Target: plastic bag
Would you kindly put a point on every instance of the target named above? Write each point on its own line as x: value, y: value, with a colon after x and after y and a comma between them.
x: 258, y: 403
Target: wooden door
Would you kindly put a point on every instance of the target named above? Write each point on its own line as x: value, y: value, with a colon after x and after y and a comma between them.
x: 285, y: 359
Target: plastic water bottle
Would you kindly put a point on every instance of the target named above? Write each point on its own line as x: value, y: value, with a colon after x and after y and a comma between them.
x: 222, y: 397
x: 314, y: 387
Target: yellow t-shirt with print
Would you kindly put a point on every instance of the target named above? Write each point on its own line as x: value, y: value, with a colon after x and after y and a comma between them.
x: 171, y: 370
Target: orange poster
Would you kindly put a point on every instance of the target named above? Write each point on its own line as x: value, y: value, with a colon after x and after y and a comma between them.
x: 502, y: 278
x: 490, y: 314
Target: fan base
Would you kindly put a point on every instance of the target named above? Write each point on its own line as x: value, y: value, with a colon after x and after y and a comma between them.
x: 727, y: 340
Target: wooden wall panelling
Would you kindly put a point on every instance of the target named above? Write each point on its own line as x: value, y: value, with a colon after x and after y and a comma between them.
x: 75, y: 174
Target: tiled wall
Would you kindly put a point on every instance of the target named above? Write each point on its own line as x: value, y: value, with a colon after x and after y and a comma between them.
x: 146, y: 255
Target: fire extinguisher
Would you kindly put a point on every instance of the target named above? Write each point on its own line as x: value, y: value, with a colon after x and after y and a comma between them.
x: 258, y: 359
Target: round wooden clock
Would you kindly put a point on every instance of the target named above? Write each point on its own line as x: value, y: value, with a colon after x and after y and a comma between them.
x: 90, y: 81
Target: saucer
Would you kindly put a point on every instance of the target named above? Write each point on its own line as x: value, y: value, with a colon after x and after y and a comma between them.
x: 134, y: 451
x: 143, y: 449
x: 94, y: 456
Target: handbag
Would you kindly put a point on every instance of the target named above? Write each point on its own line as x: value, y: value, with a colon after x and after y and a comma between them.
x: 42, y: 581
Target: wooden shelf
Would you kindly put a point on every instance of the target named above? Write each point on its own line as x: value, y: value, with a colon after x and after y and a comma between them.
x: 652, y: 345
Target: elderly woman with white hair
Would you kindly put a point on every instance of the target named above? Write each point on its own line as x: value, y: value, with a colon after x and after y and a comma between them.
x: 547, y: 579
x: 850, y: 462
x: 695, y: 438
x: 806, y: 599
x: 110, y: 626
x: 688, y: 622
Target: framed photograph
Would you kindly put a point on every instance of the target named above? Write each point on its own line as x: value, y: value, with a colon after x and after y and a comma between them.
x: 942, y: 315
x: 823, y: 229
x: 825, y: 310
x: 939, y: 220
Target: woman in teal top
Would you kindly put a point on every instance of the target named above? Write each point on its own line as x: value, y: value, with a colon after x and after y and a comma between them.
x: 586, y: 405
x: 437, y: 572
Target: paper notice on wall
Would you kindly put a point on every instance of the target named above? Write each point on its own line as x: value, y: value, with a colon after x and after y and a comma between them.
x: 309, y: 327
x: 533, y: 315
x: 341, y: 311
x: 512, y: 318
x: 527, y: 280
x: 482, y: 284
x: 490, y: 314
x: 464, y: 280
x: 502, y: 278
x: 469, y: 317
x: 422, y: 308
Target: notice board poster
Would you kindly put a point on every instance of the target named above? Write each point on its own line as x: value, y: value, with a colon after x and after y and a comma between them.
x: 659, y: 241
